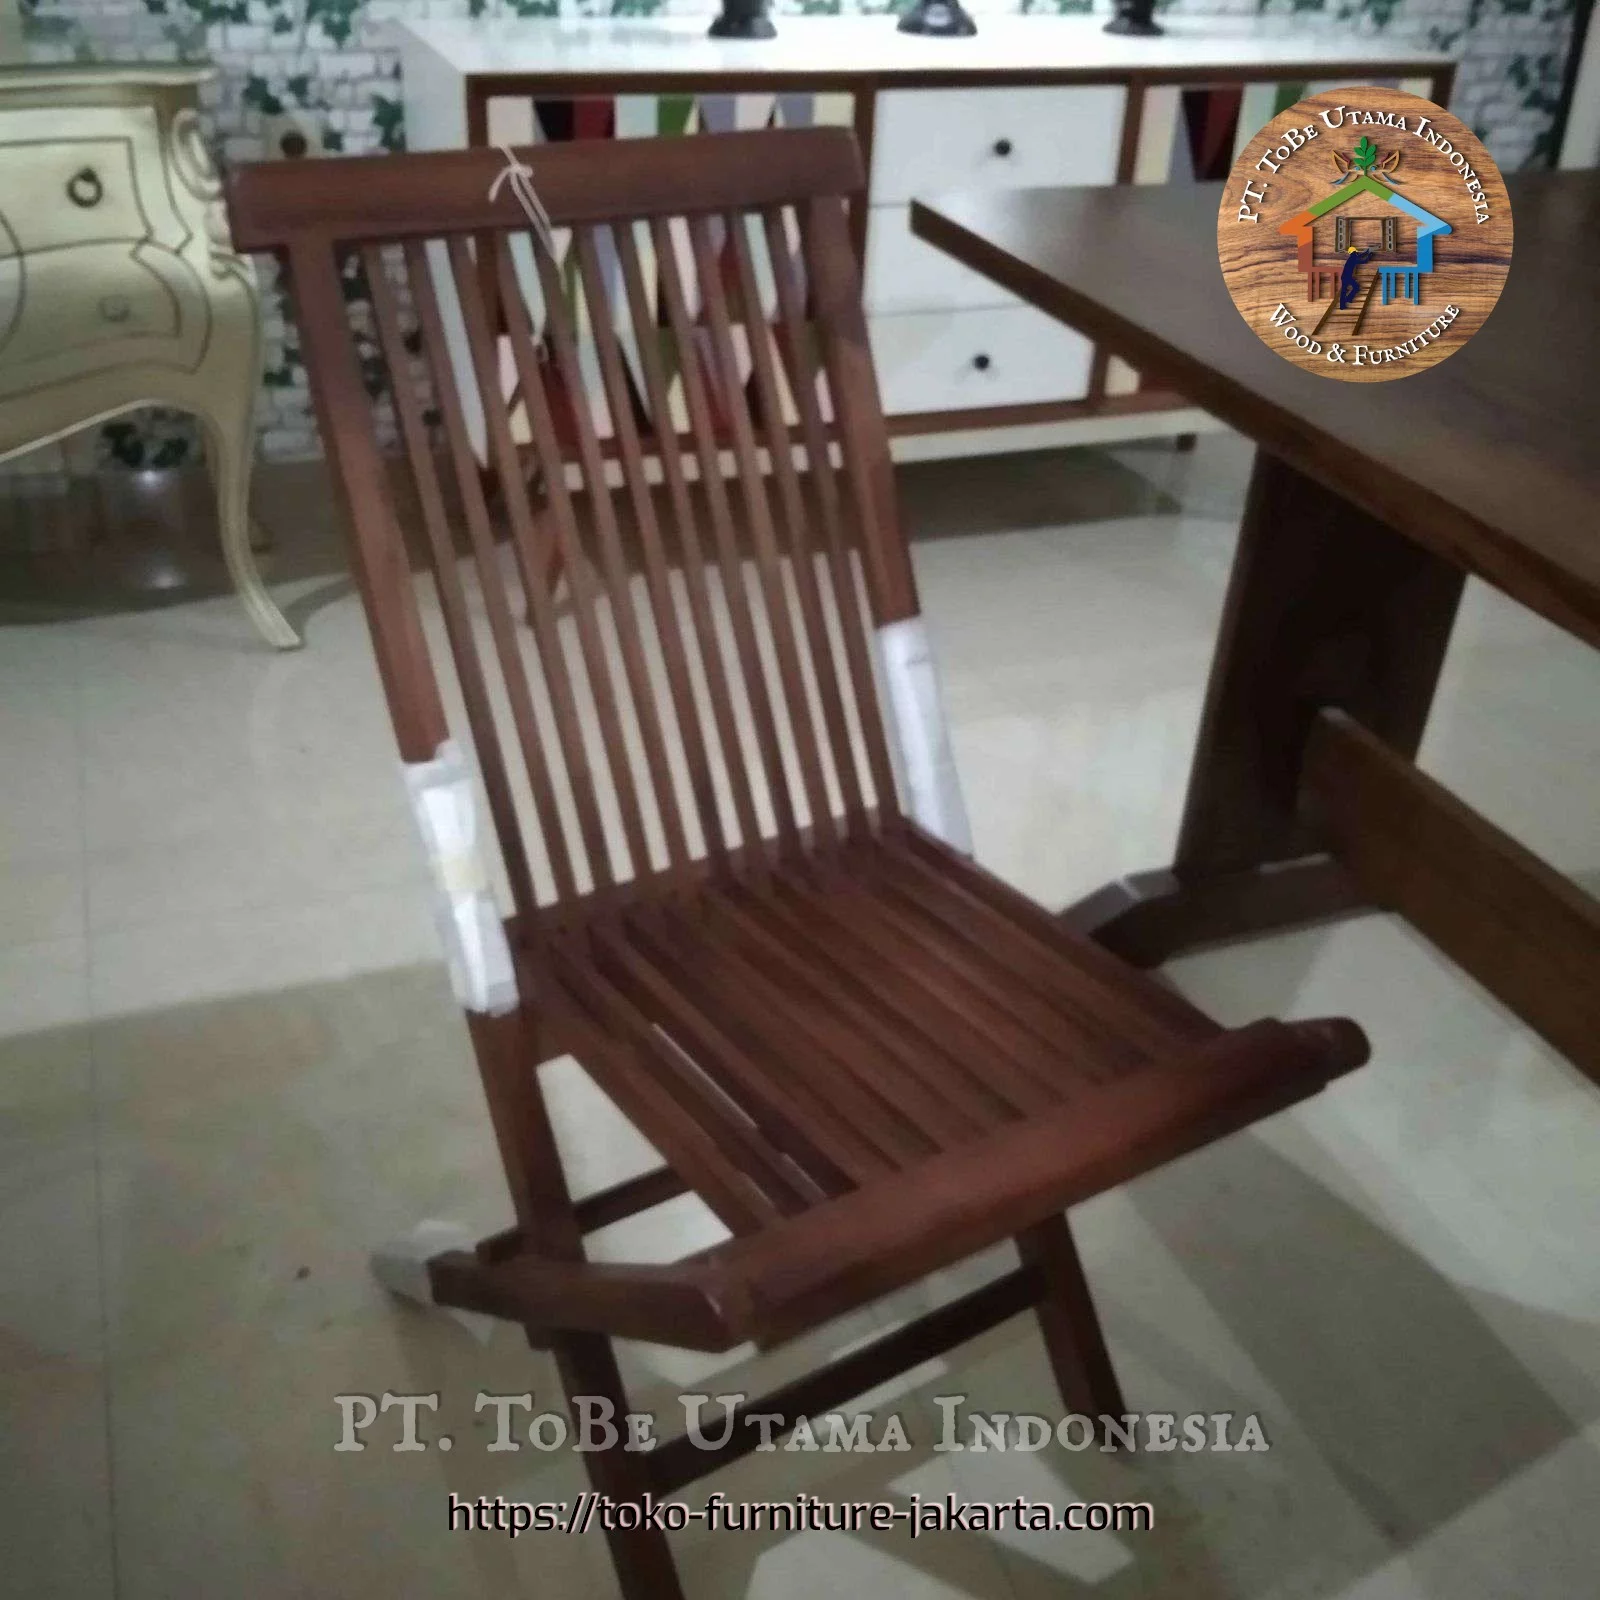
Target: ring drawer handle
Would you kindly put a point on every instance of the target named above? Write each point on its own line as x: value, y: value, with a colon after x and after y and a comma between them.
x: 1003, y: 147
x: 85, y: 189
x: 981, y: 362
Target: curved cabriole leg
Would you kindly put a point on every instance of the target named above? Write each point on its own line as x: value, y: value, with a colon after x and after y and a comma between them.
x: 231, y: 443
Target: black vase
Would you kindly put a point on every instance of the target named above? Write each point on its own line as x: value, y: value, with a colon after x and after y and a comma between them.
x: 942, y: 19
x: 743, y: 19
x: 1135, y: 17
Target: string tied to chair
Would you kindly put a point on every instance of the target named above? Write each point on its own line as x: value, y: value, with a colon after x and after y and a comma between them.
x: 518, y: 176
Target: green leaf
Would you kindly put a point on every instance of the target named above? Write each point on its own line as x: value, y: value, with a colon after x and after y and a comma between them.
x: 1364, y: 153
x: 388, y: 117
x: 335, y: 17
x: 259, y: 97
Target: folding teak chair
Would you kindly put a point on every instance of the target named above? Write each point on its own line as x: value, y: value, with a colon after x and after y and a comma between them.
x: 868, y: 1057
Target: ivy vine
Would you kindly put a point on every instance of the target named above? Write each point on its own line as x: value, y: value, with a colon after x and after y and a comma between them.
x: 389, y: 118
x: 336, y: 18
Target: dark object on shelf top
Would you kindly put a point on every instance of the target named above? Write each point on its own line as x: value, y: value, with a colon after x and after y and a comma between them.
x: 1135, y: 17
x: 942, y: 19
x: 743, y: 19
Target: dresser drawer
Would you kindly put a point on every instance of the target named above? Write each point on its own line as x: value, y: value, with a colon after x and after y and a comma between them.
x: 905, y: 274
x: 69, y: 192
x: 930, y: 140
x: 97, y: 306
x: 995, y: 356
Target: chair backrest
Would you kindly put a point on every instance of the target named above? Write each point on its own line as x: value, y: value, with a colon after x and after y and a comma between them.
x: 688, y: 673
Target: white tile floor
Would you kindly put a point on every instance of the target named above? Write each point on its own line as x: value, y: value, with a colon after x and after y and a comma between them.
x: 229, y: 1063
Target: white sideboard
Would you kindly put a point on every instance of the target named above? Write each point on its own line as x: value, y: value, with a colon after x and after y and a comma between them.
x: 964, y: 367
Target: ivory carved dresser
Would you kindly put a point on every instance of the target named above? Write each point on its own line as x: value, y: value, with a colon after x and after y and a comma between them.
x: 119, y: 284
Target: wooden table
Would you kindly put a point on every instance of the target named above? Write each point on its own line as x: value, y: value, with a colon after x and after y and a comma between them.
x: 1367, y: 508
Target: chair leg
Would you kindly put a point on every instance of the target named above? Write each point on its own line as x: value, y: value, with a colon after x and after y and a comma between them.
x: 642, y: 1556
x: 1069, y: 1322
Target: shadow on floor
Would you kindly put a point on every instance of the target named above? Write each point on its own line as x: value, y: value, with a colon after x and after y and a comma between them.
x: 250, y: 1149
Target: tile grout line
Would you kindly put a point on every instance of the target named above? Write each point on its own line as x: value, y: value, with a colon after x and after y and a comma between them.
x: 97, y: 1124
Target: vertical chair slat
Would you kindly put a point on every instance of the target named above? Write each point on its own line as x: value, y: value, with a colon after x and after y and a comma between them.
x: 715, y: 648
x: 819, y: 457
x: 801, y: 552
x: 691, y: 550
x: 447, y: 581
x: 737, y: 597
x: 502, y: 626
x: 668, y: 622
x: 624, y: 614
x: 758, y: 513
x: 573, y: 552
x: 857, y: 413
x: 605, y: 693
x: 532, y: 565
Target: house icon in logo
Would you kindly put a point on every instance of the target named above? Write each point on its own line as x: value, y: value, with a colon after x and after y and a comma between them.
x: 1348, y: 236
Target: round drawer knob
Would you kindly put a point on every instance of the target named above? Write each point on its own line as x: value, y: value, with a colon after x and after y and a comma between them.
x: 981, y: 362
x: 115, y: 308
x: 85, y: 189
x: 1003, y: 147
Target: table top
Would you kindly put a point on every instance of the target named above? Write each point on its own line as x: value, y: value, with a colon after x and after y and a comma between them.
x: 1492, y: 458
x: 862, y: 49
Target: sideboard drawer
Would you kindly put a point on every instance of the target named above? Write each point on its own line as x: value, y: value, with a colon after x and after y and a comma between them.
x: 70, y: 192
x: 996, y: 356
x: 905, y: 274
x: 930, y: 140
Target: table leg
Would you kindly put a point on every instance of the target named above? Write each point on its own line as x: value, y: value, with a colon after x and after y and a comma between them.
x: 1326, y: 606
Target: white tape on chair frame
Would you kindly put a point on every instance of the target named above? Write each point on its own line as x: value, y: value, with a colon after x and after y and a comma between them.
x: 917, y: 723
x: 481, y: 971
x: 401, y: 1266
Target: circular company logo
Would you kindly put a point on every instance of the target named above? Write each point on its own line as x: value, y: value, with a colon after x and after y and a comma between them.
x: 1364, y: 234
